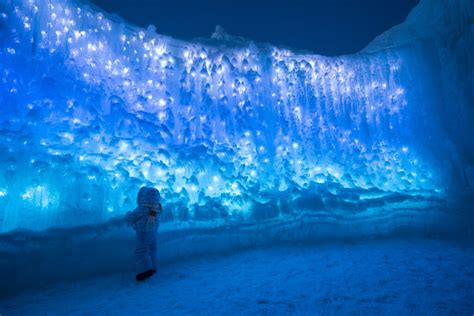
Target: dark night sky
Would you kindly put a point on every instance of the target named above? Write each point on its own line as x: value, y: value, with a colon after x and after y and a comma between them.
x: 327, y: 27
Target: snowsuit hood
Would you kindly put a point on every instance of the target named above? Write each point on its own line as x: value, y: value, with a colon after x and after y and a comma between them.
x: 139, y: 218
x: 148, y: 197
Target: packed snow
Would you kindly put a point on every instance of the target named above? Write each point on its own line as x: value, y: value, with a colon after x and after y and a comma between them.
x: 402, y: 277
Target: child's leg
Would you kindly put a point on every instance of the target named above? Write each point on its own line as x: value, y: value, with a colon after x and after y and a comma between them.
x: 153, y: 249
x: 143, y: 252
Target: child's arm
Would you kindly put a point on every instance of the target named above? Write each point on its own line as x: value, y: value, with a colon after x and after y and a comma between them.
x: 160, y: 209
x: 131, y: 217
x: 155, y: 211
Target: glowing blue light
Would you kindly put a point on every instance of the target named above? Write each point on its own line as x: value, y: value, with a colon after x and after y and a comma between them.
x: 199, y: 122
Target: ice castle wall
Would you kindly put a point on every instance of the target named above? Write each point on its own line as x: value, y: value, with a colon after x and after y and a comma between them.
x: 93, y: 108
x: 447, y: 27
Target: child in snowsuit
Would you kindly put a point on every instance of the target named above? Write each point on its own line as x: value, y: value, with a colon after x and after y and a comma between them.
x: 145, y: 220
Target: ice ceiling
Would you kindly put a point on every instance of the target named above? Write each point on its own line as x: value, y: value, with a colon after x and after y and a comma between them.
x: 92, y: 108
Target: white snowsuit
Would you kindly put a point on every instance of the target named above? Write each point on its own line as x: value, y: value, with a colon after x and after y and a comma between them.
x: 146, y: 227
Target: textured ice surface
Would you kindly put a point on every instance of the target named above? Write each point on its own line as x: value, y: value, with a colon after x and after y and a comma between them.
x: 92, y: 108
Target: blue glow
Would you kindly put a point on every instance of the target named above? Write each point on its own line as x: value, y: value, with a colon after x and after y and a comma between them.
x: 91, y: 109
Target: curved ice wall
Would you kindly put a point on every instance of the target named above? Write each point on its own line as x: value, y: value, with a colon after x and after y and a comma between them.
x: 92, y: 108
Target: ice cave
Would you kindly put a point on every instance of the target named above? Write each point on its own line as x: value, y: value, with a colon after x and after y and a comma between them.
x: 250, y: 145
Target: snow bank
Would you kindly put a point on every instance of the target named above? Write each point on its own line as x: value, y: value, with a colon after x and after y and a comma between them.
x: 38, y: 259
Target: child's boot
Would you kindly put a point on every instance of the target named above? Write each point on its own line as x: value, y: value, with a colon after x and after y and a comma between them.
x: 142, y: 276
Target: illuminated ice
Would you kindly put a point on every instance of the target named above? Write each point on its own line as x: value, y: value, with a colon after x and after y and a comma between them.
x: 92, y: 108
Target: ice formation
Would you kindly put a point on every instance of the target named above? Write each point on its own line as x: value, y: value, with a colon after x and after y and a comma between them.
x: 92, y: 108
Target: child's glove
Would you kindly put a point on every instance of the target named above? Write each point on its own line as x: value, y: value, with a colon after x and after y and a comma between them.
x: 151, y: 222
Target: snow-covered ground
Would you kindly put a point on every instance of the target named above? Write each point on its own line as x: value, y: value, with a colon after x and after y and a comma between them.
x: 417, y: 276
